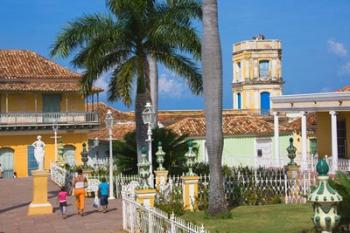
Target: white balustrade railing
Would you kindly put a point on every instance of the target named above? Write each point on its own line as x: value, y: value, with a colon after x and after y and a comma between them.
x: 60, y: 176
x: 138, y: 218
x: 37, y: 118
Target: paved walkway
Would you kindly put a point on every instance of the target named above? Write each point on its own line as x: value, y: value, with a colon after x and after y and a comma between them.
x: 16, y: 195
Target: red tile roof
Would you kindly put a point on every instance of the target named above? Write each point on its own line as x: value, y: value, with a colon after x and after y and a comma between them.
x: 118, y: 131
x: 247, y: 125
x: 311, y: 124
x: 23, y: 70
x: 344, y: 89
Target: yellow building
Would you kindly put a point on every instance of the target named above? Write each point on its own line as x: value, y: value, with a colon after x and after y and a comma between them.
x: 332, y: 112
x: 256, y: 73
x: 36, y: 95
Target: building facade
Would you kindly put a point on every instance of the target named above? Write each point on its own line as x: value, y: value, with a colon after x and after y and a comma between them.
x: 37, y: 95
x: 257, y: 73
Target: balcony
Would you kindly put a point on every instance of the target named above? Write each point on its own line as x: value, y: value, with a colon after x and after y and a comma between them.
x: 259, y: 81
x: 19, y: 120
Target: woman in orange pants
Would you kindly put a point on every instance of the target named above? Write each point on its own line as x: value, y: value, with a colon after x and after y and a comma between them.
x: 79, y: 191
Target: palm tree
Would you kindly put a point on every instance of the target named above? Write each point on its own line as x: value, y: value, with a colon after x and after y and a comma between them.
x: 123, y: 40
x: 212, y: 85
x: 186, y: 11
x: 173, y: 145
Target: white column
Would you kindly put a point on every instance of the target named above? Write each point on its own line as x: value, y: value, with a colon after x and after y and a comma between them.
x: 276, y: 138
x: 303, y: 142
x: 111, y: 190
x: 334, y: 141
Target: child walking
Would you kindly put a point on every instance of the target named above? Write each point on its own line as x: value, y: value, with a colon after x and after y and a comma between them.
x: 103, y: 193
x: 62, y: 199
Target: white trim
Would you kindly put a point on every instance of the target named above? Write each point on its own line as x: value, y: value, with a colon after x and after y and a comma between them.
x: 311, y: 97
x: 39, y: 205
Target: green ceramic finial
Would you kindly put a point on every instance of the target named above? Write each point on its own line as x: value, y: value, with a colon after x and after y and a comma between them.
x: 189, y: 143
x: 159, y: 143
x: 291, y: 149
x: 143, y: 150
x: 322, y: 167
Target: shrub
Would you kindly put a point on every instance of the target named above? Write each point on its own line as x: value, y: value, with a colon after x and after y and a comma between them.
x: 342, y: 185
x: 171, y: 203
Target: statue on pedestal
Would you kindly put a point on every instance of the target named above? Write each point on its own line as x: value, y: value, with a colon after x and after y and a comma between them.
x: 39, y: 152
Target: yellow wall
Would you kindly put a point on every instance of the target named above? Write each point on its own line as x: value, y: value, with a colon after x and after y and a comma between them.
x: 25, y: 102
x: 19, y: 143
x: 324, y: 133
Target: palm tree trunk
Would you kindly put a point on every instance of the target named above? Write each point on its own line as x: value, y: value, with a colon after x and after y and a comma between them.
x: 142, y: 97
x: 153, y: 70
x: 141, y: 128
x: 212, y: 81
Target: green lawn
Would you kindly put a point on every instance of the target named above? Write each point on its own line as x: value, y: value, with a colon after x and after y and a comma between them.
x: 258, y: 219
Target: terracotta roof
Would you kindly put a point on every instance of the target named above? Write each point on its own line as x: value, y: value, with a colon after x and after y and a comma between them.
x: 344, y: 89
x: 247, y: 125
x: 23, y: 70
x: 118, y: 131
x: 24, y: 64
x: 311, y: 124
x: 43, y: 86
x: 118, y: 116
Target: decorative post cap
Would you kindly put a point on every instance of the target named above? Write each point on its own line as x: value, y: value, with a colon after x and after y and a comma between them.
x: 160, y: 156
x: 159, y: 143
x: 189, y: 143
x: 143, y: 150
x: 291, y: 149
x: 322, y: 167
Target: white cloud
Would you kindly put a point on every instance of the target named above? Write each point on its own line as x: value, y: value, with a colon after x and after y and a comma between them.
x: 337, y: 48
x: 345, y: 69
x: 102, y: 81
x: 169, y: 86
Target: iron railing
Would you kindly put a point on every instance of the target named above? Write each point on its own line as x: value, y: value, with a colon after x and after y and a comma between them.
x: 47, y: 118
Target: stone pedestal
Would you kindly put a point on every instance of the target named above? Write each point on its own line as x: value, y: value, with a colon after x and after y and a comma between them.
x: 161, y: 178
x: 190, y: 192
x: 145, y: 197
x: 292, y: 171
x: 40, y: 204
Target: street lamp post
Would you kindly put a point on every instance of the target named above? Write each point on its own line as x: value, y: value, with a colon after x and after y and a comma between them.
x: 96, y: 143
x: 109, y: 125
x: 148, y: 118
x: 55, y: 129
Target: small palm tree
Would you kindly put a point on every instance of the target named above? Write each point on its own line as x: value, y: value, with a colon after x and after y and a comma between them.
x: 123, y: 41
x: 173, y: 145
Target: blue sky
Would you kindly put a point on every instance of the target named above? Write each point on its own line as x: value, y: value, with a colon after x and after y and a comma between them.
x: 315, y: 38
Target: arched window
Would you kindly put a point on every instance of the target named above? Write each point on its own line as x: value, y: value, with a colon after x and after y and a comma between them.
x: 265, y: 102
x: 239, y: 101
x: 239, y: 72
x: 264, y: 68
x: 69, y: 155
x: 6, y: 161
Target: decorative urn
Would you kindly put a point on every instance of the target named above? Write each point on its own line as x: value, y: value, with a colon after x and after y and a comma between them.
x: 143, y: 166
x: 325, y: 200
x: 84, y: 155
x: 160, y: 157
x: 291, y: 149
x: 190, y: 157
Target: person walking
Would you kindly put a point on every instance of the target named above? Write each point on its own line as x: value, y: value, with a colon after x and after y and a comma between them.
x: 62, y: 199
x: 103, y: 191
x: 0, y: 171
x: 79, y: 191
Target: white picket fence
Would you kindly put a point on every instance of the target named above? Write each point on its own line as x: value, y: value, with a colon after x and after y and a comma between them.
x: 139, y: 218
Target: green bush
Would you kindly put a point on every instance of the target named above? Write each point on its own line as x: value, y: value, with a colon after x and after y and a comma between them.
x: 171, y: 203
x: 342, y: 185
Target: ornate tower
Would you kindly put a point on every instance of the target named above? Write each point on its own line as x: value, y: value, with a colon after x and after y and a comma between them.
x: 256, y: 73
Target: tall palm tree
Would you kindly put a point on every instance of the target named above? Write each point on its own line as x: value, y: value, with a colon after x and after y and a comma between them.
x: 123, y: 40
x: 212, y: 85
